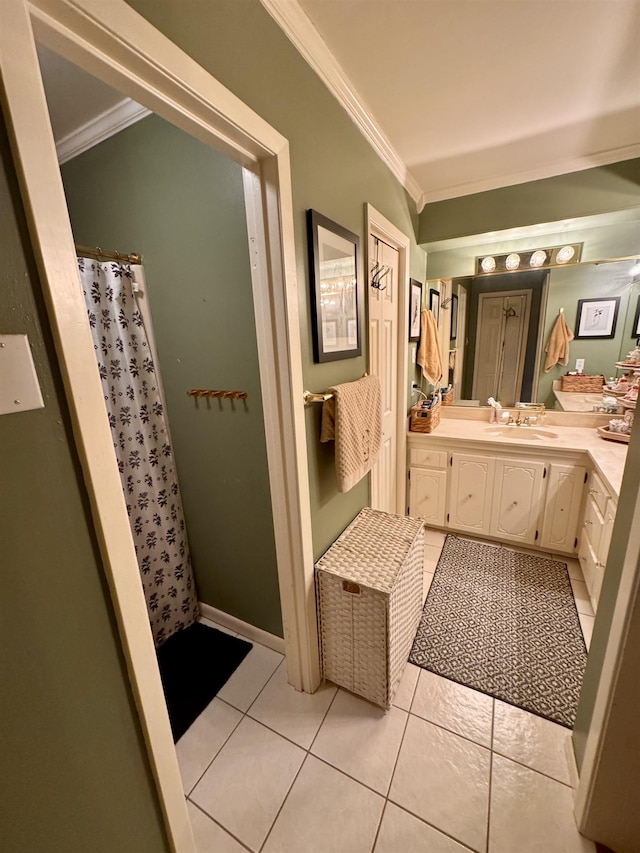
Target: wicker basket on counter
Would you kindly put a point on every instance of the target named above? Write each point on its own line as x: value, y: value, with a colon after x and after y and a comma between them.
x: 424, y: 420
x: 585, y: 384
x: 447, y: 397
x: 369, y: 592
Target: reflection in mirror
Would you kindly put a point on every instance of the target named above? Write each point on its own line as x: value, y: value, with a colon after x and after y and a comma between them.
x: 509, y: 321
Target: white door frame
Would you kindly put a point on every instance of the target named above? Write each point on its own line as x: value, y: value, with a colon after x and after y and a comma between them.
x: 113, y: 42
x: 379, y: 226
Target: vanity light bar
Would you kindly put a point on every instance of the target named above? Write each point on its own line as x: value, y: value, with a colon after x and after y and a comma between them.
x: 533, y: 259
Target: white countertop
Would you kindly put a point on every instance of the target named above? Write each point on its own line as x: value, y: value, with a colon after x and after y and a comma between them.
x: 608, y: 457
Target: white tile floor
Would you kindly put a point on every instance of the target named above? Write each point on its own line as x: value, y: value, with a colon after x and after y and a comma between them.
x: 446, y: 770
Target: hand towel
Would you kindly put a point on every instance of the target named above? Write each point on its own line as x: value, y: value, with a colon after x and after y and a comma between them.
x: 429, y: 348
x: 353, y: 419
x: 557, y: 347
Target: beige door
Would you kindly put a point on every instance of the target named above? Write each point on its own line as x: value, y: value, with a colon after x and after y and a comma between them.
x: 383, y: 362
x: 503, y: 321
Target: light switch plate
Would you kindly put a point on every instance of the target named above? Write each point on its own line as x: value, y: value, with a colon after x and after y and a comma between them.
x: 19, y: 388
x: 579, y: 365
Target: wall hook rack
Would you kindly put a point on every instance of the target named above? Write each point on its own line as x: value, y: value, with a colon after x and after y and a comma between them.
x: 212, y: 393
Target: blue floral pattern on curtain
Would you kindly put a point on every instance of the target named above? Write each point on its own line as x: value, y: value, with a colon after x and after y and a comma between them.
x: 141, y: 441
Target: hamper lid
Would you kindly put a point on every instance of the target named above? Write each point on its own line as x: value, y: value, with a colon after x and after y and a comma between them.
x: 372, y: 549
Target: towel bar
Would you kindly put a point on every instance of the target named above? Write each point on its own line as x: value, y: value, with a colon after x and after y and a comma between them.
x: 309, y: 397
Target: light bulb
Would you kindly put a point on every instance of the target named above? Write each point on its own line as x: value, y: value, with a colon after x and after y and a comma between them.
x: 565, y: 254
x: 488, y: 264
x: 513, y: 261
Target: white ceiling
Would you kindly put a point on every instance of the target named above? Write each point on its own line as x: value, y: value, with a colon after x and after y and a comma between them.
x: 475, y: 94
x: 465, y: 95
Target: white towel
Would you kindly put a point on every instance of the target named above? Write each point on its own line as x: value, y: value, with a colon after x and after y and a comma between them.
x: 429, y: 348
x: 353, y: 419
x: 557, y: 348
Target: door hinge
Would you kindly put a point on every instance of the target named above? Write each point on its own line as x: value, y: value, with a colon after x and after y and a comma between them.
x: 586, y: 476
x: 575, y: 543
x: 409, y: 474
x: 536, y: 539
x: 447, y: 516
x: 544, y: 473
x: 451, y: 461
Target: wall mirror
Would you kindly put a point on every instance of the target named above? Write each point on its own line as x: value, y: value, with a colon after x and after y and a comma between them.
x: 333, y: 266
x: 510, y: 316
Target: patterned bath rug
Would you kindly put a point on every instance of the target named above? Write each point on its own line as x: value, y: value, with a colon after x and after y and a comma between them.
x: 506, y: 624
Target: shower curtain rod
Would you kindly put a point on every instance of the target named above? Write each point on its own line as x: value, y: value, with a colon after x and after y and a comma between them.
x: 97, y: 253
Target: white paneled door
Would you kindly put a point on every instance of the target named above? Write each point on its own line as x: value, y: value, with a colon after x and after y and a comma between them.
x: 383, y: 362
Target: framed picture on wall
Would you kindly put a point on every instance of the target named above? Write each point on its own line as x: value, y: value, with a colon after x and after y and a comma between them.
x: 635, y: 331
x: 415, y: 306
x: 434, y: 304
x: 597, y: 318
x: 454, y: 317
x: 333, y: 267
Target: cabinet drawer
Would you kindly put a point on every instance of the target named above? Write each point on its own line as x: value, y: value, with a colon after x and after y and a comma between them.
x: 428, y: 458
x: 593, y: 524
x: 598, y: 492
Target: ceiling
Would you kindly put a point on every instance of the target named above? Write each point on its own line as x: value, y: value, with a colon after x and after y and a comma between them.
x: 459, y: 96
x: 74, y: 97
x: 475, y: 94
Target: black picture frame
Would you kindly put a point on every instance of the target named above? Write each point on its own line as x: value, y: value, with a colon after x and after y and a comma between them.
x: 454, y: 317
x: 415, y: 308
x: 434, y: 304
x: 335, y: 289
x: 635, y: 329
x: 597, y: 318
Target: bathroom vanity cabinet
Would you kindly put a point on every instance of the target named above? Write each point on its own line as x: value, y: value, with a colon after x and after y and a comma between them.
x: 514, y: 498
x: 556, y: 499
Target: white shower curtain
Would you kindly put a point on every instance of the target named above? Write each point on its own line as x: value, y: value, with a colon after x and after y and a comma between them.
x: 138, y: 423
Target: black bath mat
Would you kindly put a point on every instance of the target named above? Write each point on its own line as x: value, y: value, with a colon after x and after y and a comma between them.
x: 194, y: 664
x: 504, y: 623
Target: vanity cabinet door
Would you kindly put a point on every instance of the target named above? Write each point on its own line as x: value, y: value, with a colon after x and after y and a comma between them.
x: 603, y: 553
x: 427, y: 491
x: 562, y: 507
x: 471, y: 493
x: 516, y: 500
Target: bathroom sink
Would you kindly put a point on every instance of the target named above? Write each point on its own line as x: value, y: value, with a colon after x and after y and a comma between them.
x: 523, y: 432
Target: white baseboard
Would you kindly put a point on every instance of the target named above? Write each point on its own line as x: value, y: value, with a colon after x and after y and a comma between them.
x: 232, y: 623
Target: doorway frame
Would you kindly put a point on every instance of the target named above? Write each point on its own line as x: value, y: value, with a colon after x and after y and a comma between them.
x: 114, y: 43
x: 379, y: 226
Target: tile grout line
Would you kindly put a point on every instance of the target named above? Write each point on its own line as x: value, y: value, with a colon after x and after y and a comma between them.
x: 493, y: 725
x: 284, y: 800
x: 223, y: 828
x: 217, y: 752
x: 532, y: 769
x: 304, y: 761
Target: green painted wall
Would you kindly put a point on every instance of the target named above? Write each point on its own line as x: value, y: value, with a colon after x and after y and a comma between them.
x: 334, y: 171
x: 74, y: 771
x: 585, y: 193
x: 156, y: 190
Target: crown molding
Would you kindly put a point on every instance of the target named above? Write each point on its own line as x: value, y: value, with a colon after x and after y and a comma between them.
x: 107, y: 124
x: 298, y: 28
x: 552, y: 170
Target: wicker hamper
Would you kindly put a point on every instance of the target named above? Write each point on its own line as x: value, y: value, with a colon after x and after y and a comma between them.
x: 369, y: 586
